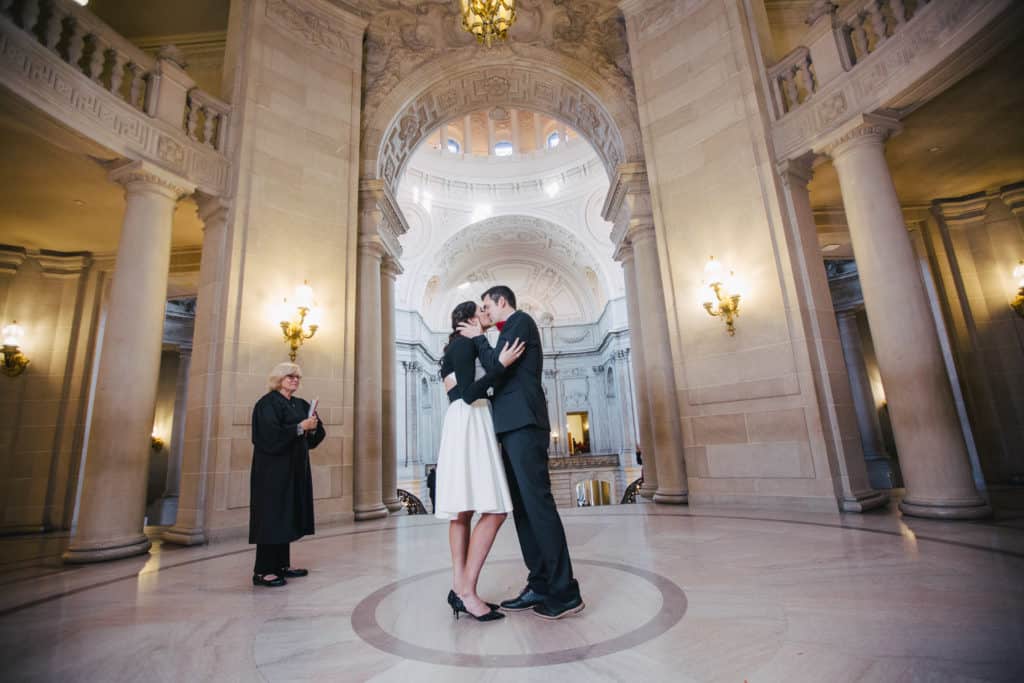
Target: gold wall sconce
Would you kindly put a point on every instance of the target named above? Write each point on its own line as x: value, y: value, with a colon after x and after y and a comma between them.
x: 14, y: 361
x: 297, y: 331
x: 1018, y: 303
x: 157, y: 443
x: 726, y: 305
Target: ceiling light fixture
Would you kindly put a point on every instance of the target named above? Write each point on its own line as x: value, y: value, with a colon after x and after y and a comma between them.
x: 488, y: 20
x: 831, y: 247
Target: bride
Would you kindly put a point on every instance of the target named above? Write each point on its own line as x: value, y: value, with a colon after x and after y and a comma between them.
x: 470, y: 474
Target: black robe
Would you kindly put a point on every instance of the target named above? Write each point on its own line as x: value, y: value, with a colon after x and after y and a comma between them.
x: 280, y: 483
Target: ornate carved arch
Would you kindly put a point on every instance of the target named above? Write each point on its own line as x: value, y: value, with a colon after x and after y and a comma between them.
x: 559, y: 88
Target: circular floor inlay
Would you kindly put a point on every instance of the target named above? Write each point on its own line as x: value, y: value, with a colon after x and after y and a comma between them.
x: 627, y: 606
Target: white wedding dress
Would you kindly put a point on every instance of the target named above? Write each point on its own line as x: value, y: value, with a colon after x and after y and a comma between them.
x: 470, y: 472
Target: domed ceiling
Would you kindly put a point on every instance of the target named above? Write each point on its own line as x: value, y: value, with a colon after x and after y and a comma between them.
x: 528, y: 218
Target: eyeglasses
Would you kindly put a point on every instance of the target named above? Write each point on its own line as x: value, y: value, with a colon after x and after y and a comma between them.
x: 295, y: 377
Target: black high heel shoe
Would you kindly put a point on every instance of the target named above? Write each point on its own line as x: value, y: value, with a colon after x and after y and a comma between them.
x: 452, y: 597
x: 457, y: 606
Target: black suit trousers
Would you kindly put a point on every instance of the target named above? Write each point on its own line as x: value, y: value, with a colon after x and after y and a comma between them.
x: 541, y: 535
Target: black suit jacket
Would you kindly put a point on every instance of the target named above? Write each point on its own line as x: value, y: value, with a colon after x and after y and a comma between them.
x: 518, y: 394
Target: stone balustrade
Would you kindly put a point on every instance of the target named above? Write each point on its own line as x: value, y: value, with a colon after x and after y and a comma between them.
x: 76, y: 68
x: 792, y: 80
x: 878, y: 55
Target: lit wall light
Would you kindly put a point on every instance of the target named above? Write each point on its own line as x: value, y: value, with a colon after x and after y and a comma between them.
x: 1018, y: 303
x: 157, y: 442
x: 14, y: 361
x: 724, y: 305
x: 296, y: 332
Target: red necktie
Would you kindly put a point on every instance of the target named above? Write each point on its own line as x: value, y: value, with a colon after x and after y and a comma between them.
x: 500, y: 325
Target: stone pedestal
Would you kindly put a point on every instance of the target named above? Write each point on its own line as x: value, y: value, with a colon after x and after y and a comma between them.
x: 390, y: 270
x: 113, y: 498
x: 933, y: 454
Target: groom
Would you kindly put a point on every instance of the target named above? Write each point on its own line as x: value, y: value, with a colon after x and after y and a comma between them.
x: 521, y: 422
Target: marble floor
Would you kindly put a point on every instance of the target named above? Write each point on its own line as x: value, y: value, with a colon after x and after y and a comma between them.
x: 673, y: 594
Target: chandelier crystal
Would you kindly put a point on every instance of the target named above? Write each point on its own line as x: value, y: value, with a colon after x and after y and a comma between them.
x: 488, y: 20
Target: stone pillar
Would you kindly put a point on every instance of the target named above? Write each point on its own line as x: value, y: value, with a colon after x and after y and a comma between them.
x: 538, y: 132
x: 412, y: 413
x: 658, y: 368
x: 643, y: 405
x: 165, y: 509
x: 113, y: 498
x: 490, y: 135
x: 933, y: 454
x: 467, y: 143
x: 390, y: 270
x: 514, y: 114
x: 878, y: 462
x: 444, y: 138
x: 380, y: 224
x: 624, y: 394
x: 199, y: 445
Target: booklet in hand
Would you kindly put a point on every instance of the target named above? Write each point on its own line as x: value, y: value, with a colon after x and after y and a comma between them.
x: 312, y: 407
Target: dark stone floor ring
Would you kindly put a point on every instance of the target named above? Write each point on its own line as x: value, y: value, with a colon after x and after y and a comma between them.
x: 673, y: 607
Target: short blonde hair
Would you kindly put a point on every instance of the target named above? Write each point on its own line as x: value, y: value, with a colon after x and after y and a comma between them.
x: 280, y: 371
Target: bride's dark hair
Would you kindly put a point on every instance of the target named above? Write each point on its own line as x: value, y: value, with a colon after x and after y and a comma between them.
x: 462, y: 313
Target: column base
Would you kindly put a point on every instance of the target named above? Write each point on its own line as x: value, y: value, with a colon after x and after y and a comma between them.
x: 648, y: 489
x: 393, y: 505
x: 102, y: 553
x: 163, y: 511
x: 671, y: 497
x: 976, y: 509
x: 373, y: 512
x: 862, y: 501
x: 184, y: 536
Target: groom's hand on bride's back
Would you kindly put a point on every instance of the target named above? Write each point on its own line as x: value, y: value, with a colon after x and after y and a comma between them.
x: 470, y: 330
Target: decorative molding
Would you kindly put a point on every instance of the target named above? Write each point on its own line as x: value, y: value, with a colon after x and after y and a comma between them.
x: 1013, y: 197
x: 144, y: 173
x: 864, y: 129
x: 328, y: 34
x: 583, y: 462
x: 58, y: 265
x: 962, y: 211
x: 11, y: 259
x: 59, y: 90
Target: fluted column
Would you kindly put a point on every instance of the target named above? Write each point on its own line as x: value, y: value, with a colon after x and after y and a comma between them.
x: 659, y: 371
x: 412, y: 413
x: 199, y: 444
x: 863, y: 401
x: 390, y: 270
x: 643, y: 404
x: 624, y: 391
x: 933, y: 454
x: 113, y: 498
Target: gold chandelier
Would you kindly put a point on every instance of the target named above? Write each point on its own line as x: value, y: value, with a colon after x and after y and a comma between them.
x: 488, y: 19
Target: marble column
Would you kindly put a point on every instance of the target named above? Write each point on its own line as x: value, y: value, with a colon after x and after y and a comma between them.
x: 200, y: 442
x: 412, y: 413
x: 646, y: 446
x: 113, y: 498
x: 658, y: 368
x: 538, y: 132
x: 490, y: 135
x: 878, y: 462
x: 467, y: 127
x: 624, y: 393
x: 166, y: 508
x: 514, y: 114
x: 390, y: 270
x: 933, y: 453
x: 369, y: 398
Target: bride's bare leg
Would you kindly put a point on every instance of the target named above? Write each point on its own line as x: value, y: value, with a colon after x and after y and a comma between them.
x: 480, y: 543
x: 458, y: 540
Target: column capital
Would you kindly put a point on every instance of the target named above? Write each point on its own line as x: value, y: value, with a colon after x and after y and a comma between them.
x: 866, y: 129
x: 142, y: 176
x: 11, y: 259
x: 1013, y: 197
x: 640, y: 231
x: 211, y: 209
x: 62, y: 266
x: 624, y: 252
x: 962, y: 211
x: 796, y: 172
x: 391, y: 267
x: 374, y: 246
x: 380, y: 215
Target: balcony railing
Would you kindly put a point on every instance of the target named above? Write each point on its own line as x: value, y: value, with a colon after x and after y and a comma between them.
x: 156, y: 89
x: 864, y: 25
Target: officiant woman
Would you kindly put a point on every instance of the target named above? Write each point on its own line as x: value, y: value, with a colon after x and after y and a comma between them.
x: 281, y: 487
